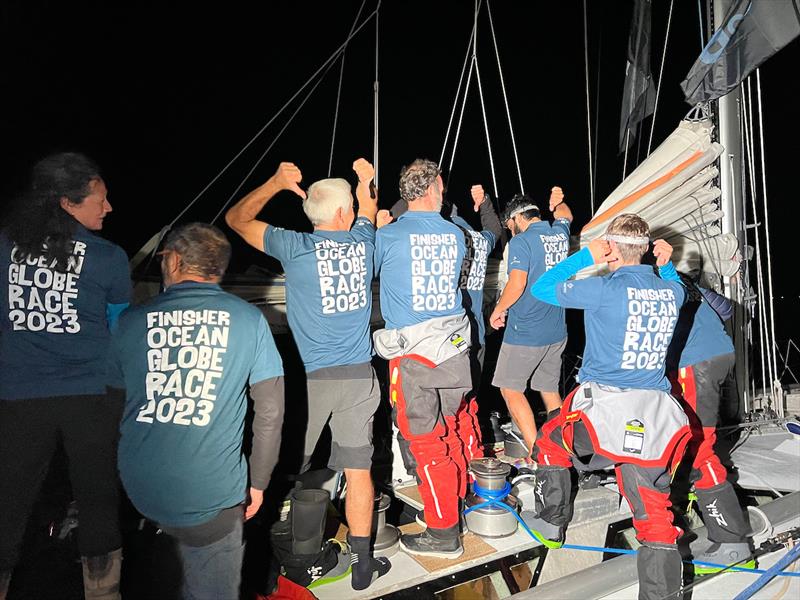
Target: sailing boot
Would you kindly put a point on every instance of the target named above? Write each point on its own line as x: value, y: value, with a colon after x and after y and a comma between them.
x: 441, y: 543
x: 551, y: 513
x: 309, y: 508
x: 365, y: 567
x: 5, y: 580
x: 727, y: 529
x: 101, y: 575
x: 660, y: 571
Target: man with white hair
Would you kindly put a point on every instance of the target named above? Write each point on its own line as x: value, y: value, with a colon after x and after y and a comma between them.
x: 329, y: 302
x: 426, y: 341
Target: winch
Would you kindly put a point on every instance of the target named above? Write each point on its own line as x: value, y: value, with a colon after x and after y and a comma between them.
x: 490, y: 507
x: 387, y: 537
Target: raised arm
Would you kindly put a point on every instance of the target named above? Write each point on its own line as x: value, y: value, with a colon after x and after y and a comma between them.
x: 558, y: 207
x: 489, y: 220
x: 663, y: 253
x: 545, y: 287
x: 367, y: 205
x: 241, y: 217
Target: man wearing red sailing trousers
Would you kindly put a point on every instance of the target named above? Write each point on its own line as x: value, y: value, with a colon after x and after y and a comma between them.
x: 621, y: 413
x: 426, y: 341
x: 700, y: 358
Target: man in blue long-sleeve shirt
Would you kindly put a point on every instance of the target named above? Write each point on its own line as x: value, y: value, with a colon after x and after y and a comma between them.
x: 621, y: 413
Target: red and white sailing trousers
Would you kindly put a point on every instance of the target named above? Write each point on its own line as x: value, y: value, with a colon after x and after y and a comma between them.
x: 437, y: 414
x: 570, y: 439
x: 699, y: 385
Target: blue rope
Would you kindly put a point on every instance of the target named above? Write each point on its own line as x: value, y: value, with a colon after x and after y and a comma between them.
x: 774, y: 570
x: 494, y: 498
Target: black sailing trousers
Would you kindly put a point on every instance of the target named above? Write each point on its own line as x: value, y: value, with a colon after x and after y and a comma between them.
x: 30, y: 430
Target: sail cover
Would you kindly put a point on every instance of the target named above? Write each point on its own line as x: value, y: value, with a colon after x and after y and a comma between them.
x: 674, y: 191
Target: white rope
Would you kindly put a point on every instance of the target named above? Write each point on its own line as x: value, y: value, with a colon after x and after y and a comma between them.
x: 375, y: 89
x: 486, y: 127
x: 588, y: 111
x: 764, y: 347
x: 458, y: 92
x: 460, y: 117
x: 274, y: 141
x: 766, y: 232
x: 597, y: 104
x: 339, y: 90
x: 505, y: 100
x: 325, y: 64
x: 660, y: 74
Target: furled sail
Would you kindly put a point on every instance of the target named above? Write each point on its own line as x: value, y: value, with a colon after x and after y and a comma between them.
x: 673, y: 190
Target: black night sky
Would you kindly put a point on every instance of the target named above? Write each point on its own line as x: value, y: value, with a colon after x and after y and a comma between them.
x: 163, y: 95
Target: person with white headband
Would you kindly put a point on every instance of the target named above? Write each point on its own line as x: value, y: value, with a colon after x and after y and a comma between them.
x: 621, y: 413
x: 535, y: 332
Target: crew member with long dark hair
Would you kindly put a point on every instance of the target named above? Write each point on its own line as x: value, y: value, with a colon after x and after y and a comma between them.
x: 62, y: 288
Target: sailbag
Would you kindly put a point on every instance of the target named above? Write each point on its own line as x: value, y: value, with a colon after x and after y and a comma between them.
x: 673, y: 190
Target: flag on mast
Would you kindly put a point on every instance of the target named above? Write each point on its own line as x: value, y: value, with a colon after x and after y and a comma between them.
x: 638, y: 99
x: 751, y: 32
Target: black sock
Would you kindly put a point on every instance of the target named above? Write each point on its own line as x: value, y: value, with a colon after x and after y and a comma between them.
x: 366, y: 569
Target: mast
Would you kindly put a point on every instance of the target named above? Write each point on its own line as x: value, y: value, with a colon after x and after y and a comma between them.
x: 732, y: 205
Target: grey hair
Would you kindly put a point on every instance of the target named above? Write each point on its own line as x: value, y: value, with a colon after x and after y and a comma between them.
x: 416, y: 178
x: 203, y: 249
x: 324, y: 197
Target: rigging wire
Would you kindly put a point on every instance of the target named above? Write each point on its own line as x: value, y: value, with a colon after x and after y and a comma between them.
x: 700, y: 19
x: 339, y: 90
x: 375, y: 89
x: 766, y: 232
x: 588, y: 111
x: 326, y: 64
x: 505, y: 100
x: 460, y: 119
x: 274, y: 141
x: 660, y: 76
x: 597, y: 104
x: 458, y: 92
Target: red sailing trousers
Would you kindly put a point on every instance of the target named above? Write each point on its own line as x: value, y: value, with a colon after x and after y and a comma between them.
x: 438, y: 417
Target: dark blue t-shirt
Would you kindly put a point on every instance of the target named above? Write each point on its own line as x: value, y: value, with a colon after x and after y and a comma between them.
x: 185, y: 359
x: 530, y: 321
x: 419, y: 259
x: 630, y: 316
x: 479, y: 245
x: 53, y: 332
x: 328, y: 291
x: 707, y: 337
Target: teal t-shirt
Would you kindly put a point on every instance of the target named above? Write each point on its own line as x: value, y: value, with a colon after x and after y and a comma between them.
x: 185, y: 360
x: 419, y: 259
x: 536, y: 250
x: 53, y: 331
x: 629, y: 317
x: 328, y: 291
x: 479, y: 244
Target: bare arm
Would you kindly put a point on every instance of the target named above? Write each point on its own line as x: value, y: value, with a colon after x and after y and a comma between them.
x: 241, y: 217
x: 558, y: 207
x: 517, y: 281
x: 367, y: 205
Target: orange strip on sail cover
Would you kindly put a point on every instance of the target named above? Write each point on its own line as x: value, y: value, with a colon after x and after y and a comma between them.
x: 628, y: 200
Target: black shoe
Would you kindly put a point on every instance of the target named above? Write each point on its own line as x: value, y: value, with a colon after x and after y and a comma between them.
x: 441, y: 543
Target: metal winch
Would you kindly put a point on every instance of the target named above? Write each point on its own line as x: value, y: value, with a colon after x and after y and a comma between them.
x: 490, y: 507
x: 386, y: 536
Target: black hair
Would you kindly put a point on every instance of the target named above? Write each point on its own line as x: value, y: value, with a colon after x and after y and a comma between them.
x: 517, y: 202
x: 38, y: 225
